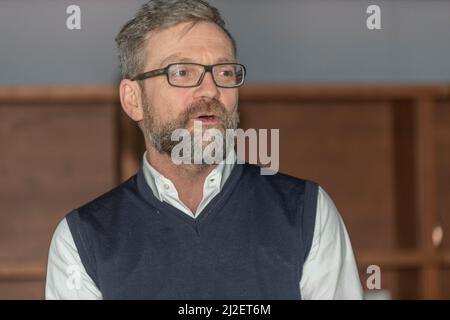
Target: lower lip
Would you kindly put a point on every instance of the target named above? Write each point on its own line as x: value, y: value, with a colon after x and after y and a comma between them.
x: 208, y: 120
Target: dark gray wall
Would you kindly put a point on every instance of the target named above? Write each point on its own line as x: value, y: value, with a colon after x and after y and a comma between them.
x: 318, y: 41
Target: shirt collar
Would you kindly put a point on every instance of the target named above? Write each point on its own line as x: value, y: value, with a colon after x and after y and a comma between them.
x: 162, y: 186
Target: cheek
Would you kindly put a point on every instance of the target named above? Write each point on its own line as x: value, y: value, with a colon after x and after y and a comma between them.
x: 166, y: 103
x: 229, y: 99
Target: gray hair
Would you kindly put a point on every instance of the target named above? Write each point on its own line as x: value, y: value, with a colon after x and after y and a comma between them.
x: 158, y: 15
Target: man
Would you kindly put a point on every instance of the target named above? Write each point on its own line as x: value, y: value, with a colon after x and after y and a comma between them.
x: 196, y: 231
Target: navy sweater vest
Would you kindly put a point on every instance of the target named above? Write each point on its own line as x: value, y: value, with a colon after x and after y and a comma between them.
x: 250, y: 242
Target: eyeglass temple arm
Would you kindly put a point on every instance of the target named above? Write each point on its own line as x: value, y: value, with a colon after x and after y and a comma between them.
x: 149, y: 74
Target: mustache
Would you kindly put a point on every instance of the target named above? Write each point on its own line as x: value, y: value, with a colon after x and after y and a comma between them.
x: 213, y: 106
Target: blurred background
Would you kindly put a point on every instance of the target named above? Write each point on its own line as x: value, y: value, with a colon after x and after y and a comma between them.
x: 365, y: 113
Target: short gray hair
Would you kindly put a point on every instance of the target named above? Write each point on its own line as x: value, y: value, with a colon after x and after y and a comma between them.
x: 158, y: 15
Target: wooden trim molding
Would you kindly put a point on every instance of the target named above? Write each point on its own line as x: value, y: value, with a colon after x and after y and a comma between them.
x: 55, y: 94
x: 251, y: 92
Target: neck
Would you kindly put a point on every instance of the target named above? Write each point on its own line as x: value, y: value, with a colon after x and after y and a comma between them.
x: 187, y: 178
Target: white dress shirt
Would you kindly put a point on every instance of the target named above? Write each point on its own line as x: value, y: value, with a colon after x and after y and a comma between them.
x: 329, y: 272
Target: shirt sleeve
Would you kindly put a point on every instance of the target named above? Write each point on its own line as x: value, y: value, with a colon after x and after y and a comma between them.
x: 330, y: 270
x: 67, y: 278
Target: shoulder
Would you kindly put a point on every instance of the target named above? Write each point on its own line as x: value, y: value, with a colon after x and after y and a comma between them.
x: 327, y: 212
x: 101, y: 214
x: 276, y: 179
x: 95, y: 223
x: 292, y: 191
x: 62, y: 241
x: 329, y: 229
x: 109, y: 200
x: 297, y: 195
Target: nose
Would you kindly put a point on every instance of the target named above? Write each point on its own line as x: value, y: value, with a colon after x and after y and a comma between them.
x: 207, y: 88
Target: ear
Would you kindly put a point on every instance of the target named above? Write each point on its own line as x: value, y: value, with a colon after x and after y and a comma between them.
x: 130, y: 99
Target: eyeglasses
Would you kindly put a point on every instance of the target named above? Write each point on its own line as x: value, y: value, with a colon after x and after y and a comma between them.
x: 188, y: 75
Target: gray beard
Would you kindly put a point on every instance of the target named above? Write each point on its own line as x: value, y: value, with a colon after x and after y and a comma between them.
x: 160, y: 134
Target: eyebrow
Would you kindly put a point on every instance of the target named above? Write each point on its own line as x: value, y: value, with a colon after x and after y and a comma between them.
x: 179, y: 58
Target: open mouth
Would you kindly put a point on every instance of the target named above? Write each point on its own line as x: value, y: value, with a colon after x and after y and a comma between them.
x: 207, y: 118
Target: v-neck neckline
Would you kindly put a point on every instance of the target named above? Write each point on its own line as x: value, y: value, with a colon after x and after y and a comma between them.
x: 206, y: 214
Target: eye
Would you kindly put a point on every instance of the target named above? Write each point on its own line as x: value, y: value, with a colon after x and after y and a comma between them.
x: 227, y: 73
x: 180, y: 73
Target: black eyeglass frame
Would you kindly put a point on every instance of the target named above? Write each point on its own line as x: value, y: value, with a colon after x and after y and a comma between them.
x: 206, y: 68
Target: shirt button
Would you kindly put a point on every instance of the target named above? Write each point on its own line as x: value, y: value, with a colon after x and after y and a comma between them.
x: 166, y: 186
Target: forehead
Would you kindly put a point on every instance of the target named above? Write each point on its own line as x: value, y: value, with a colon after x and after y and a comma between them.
x: 202, y: 42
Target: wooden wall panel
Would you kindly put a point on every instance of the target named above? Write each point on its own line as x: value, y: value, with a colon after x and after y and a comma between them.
x: 443, y: 167
x: 22, y: 290
x: 445, y: 287
x: 55, y: 157
x: 390, y: 283
x: 443, y: 185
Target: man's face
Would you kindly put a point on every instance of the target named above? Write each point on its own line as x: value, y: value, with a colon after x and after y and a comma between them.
x: 167, y: 108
